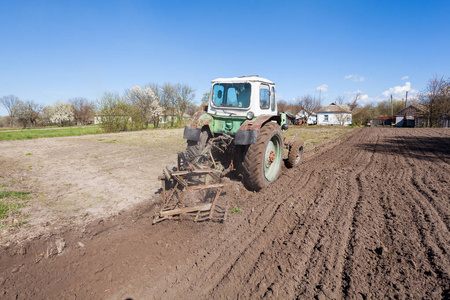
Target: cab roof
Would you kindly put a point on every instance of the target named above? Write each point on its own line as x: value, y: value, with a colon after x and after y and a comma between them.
x: 243, y: 79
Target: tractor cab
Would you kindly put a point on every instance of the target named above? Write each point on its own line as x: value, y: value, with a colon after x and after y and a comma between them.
x: 246, y: 96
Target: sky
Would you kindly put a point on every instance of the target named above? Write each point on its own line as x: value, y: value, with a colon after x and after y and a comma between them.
x: 56, y: 50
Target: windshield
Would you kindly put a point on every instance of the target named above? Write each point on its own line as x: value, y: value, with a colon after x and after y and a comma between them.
x: 232, y: 94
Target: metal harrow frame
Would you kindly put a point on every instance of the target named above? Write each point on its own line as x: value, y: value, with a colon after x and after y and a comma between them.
x: 173, y: 197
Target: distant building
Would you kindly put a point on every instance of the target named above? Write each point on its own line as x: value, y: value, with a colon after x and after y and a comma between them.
x: 411, y: 116
x: 444, y: 121
x: 382, y: 121
x: 335, y: 114
x: 306, y: 117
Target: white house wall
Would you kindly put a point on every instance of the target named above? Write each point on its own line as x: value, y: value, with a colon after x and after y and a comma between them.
x: 333, y: 118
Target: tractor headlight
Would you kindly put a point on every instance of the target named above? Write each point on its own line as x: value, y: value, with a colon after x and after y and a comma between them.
x: 250, y: 115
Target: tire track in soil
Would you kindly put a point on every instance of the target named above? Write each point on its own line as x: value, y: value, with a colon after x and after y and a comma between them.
x: 430, y: 194
x: 416, y: 235
x: 381, y: 253
x: 431, y: 226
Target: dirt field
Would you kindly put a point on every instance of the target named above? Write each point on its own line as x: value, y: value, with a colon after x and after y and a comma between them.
x: 365, y: 216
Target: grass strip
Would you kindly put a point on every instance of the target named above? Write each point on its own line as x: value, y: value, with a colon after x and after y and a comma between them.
x: 26, y: 134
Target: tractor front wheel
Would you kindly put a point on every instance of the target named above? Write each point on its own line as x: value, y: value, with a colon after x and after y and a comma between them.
x: 295, y: 154
x: 262, y: 162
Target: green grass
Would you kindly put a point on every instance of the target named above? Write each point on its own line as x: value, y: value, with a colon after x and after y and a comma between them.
x: 35, y: 133
x: 14, y: 195
x: 6, y: 208
x: 10, y: 205
x: 235, y: 210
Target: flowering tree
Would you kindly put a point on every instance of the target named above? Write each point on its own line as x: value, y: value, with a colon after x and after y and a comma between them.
x: 146, y: 105
x: 61, y: 113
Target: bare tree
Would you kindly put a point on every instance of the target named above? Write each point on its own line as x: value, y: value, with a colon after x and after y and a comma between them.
x: 340, y: 100
x: 436, y: 98
x: 168, y: 99
x: 28, y: 112
x: 10, y: 103
x: 205, y: 100
x: 184, y: 97
x: 309, y: 105
x: 282, y: 105
x: 353, y: 103
x: 83, y: 110
x: 141, y: 99
x: 343, y: 116
x: 191, y: 110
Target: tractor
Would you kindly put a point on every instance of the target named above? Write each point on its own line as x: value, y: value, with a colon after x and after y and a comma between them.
x: 239, y: 130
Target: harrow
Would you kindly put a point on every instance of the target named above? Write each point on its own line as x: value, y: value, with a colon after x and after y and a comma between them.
x: 193, y: 189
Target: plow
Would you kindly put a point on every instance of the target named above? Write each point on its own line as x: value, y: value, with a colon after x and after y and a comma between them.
x: 239, y: 131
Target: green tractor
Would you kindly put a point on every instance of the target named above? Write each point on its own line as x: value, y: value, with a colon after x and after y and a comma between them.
x: 240, y: 130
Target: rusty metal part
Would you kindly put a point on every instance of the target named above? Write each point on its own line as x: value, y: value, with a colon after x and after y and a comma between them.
x: 199, y: 119
x: 258, y: 122
x: 271, y: 157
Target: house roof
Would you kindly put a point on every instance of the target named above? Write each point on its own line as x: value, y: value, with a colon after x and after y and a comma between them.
x: 335, y: 108
x: 304, y: 112
x: 415, y: 107
x: 290, y: 115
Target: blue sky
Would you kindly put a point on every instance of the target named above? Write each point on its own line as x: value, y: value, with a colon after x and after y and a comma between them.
x: 57, y: 50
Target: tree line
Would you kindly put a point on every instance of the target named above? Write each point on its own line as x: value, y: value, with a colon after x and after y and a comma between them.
x: 136, y: 109
x: 152, y: 104
x: 76, y: 111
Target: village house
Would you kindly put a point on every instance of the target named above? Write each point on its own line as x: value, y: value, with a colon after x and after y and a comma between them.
x: 335, y: 114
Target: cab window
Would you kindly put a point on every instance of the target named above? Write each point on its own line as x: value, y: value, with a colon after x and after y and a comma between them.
x: 272, y: 99
x: 232, y: 94
x: 264, y: 96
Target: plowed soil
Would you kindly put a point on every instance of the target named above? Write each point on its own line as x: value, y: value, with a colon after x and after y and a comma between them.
x: 366, y: 216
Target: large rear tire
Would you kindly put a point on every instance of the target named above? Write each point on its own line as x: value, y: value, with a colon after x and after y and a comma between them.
x: 262, y: 162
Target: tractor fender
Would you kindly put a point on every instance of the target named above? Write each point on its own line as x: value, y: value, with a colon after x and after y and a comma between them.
x: 194, y: 126
x: 248, y: 132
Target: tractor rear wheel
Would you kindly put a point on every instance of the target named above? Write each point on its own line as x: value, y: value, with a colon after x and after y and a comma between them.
x: 262, y: 161
x: 295, y: 154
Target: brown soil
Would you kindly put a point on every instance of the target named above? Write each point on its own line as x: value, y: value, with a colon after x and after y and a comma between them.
x: 366, y: 216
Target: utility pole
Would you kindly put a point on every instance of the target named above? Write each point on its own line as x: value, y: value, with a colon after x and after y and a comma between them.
x: 406, y: 101
x: 392, y: 109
